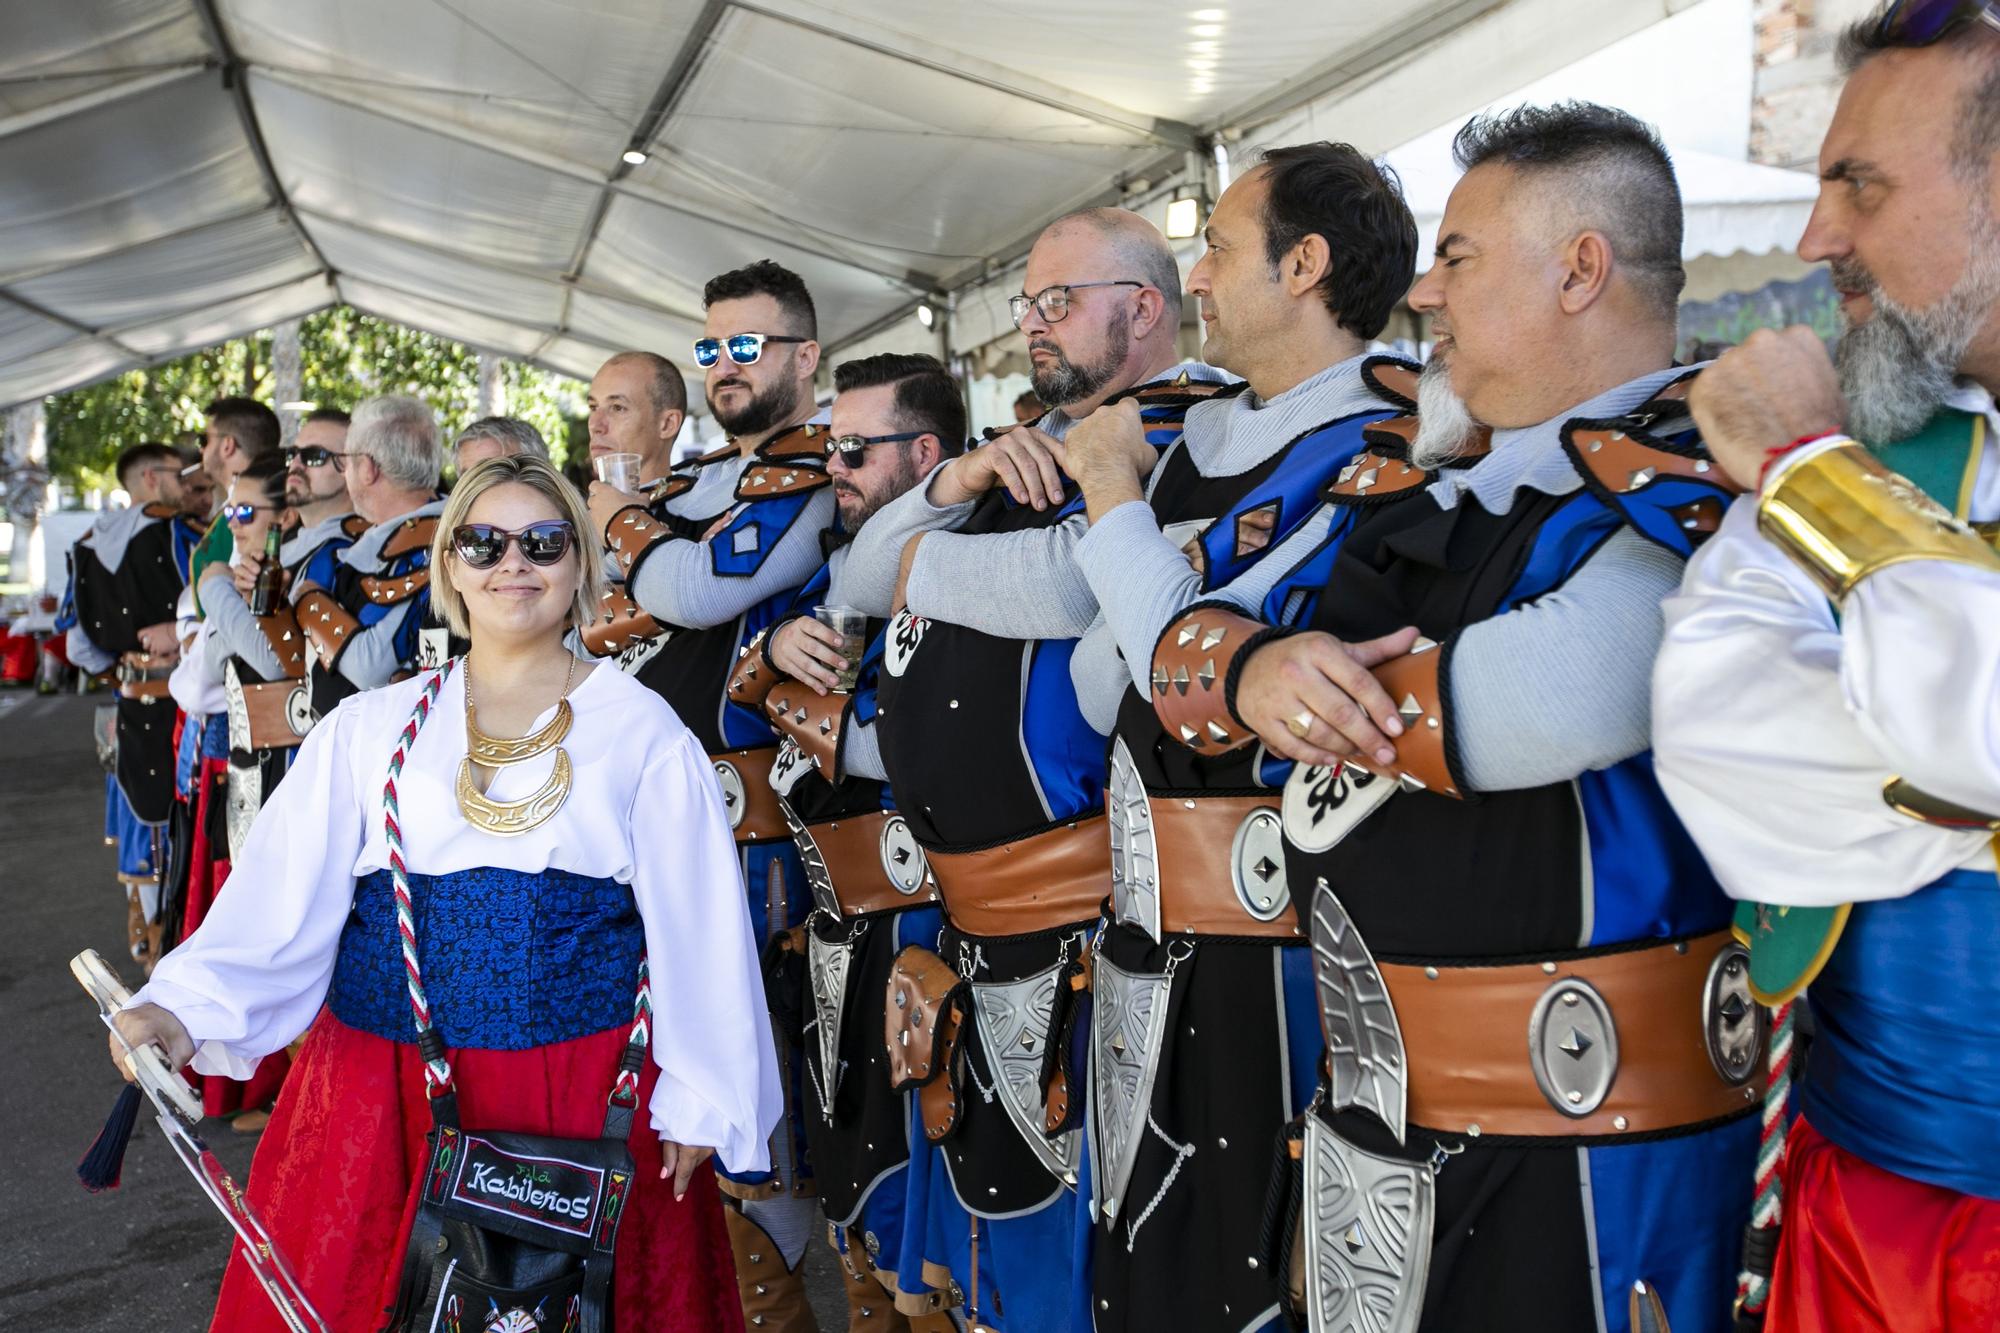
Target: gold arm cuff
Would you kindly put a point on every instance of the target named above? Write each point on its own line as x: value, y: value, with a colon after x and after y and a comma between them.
x: 1841, y: 515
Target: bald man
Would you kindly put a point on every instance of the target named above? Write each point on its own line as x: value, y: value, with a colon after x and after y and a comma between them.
x: 999, y: 775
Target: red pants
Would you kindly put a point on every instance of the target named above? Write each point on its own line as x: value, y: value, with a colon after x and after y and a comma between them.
x: 336, y: 1174
x: 1868, y: 1251
x: 208, y: 869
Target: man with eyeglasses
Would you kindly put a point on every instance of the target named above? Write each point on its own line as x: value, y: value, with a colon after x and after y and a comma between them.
x: 364, y: 606
x: 895, y: 417
x: 1824, y: 701
x: 712, y: 557
x: 125, y: 576
x: 1000, y: 777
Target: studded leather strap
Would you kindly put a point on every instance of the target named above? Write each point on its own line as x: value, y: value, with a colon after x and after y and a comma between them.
x: 754, y: 676
x: 1191, y: 662
x: 811, y: 719
x: 327, y: 625
x: 389, y: 589
x: 631, y: 533
x: 281, y: 631
x: 1412, y: 682
x: 620, y: 624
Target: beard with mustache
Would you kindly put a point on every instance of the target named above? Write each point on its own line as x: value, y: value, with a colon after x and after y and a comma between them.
x: 1445, y: 429
x: 1898, y: 367
x: 774, y: 405
x: 1062, y: 381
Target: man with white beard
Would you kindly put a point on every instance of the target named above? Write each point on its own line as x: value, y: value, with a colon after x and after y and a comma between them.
x: 1825, y: 701
x: 1540, y: 1095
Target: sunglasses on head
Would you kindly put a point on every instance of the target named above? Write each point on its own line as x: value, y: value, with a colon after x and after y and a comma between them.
x: 852, y: 447
x: 743, y: 348
x: 1921, y: 22
x: 312, y: 455
x: 243, y: 513
x: 481, y: 545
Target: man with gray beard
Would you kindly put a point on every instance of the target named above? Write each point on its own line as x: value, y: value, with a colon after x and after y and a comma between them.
x: 1826, y: 696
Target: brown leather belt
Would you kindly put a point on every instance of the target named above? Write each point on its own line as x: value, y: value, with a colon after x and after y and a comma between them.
x: 1054, y: 878
x: 147, y: 684
x: 761, y: 817
x: 855, y: 853
x: 1468, y: 1034
x: 1196, y: 850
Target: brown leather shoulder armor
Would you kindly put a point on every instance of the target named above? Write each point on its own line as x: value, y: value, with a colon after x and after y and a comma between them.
x: 353, y: 526
x: 157, y: 509
x: 1392, y: 378
x: 390, y: 589
x: 412, y: 534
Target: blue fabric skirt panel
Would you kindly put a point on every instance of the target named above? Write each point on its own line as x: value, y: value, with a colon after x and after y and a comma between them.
x: 1672, y: 1213
x: 1905, y: 1068
x: 122, y: 826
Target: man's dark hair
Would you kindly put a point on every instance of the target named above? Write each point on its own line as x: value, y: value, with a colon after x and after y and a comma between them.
x: 267, y: 473
x: 927, y: 397
x: 142, y: 455
x: 337, y: 415
x: 253, y: 425
x: 1977, y: 136
x: 1333, y: 191
x: 765, y: 278
x: 664, y: 384
x: 1621, y: 182
x: 1027, y: 398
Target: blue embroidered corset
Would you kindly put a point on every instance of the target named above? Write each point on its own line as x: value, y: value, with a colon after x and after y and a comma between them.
x: 510, y: 960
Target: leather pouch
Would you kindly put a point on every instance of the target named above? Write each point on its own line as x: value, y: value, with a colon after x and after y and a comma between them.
x: 925, y: 1029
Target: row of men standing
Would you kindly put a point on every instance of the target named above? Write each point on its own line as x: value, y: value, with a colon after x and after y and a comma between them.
x: 1244, y: 757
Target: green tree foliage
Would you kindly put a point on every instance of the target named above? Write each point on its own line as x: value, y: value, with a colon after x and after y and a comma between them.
x: 345, y: 356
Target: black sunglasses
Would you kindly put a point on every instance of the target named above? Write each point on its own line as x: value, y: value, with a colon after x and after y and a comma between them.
x: 851, y: 447
x: 1921, y: 22
x: 312, y: 455
x: 743, y: 348
x: 481, y: 545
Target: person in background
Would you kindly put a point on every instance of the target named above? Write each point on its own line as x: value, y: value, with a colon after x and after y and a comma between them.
x: 638, y: 401
x: 234, y: 431
x: 1028, y: 409
x: 198, y: 489
x: 495, y: 437
x: 364, y: 609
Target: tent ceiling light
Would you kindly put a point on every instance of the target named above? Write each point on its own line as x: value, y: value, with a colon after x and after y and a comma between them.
x: 925, y: 315
x: 634, y: 158
x: 1183, y: 219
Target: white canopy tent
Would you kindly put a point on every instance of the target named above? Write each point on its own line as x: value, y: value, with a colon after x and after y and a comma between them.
x: 552, y: 182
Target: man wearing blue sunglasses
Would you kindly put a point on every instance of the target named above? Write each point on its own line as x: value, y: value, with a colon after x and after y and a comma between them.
x: 710, y: 559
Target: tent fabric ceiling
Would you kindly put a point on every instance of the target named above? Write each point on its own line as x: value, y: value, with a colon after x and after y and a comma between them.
x: 178, y: 173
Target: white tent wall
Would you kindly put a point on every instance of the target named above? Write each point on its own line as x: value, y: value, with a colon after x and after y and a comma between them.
x: 178, y: 173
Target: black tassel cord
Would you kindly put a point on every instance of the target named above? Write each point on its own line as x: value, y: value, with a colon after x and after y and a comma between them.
x: 100, y: 1166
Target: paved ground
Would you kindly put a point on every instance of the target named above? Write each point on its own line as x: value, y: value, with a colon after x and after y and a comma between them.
x: 148, y: 1255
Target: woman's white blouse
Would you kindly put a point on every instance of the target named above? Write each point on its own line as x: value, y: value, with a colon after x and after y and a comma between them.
x: 643, y: 809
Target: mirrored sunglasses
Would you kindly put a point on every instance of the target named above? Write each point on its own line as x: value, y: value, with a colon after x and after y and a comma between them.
x: 481, y: 545
x: 243, y: 513
x: 1921, y: 22
x: 743, y: 348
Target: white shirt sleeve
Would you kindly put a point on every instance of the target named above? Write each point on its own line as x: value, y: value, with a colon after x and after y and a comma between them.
x: 253, y: 976
x: 718, y: 1084
x: 1756, y: 746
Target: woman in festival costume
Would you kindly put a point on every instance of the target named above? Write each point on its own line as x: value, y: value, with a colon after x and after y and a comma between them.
x: 256, y: 500
x: 538, y: 884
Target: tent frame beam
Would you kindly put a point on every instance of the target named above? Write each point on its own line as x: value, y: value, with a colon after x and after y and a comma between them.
x: 74, y: 326
x: 233, y: 81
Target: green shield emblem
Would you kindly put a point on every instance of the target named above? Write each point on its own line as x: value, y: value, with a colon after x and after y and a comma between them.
x: 1788, y: 946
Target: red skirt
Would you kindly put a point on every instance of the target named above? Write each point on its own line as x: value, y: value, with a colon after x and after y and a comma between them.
x: 1868, y: 1251
x: 335, y: 1180
x: 206, y: 873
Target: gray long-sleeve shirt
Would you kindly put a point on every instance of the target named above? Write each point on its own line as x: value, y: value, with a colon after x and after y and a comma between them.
x: 1016, y: 585
x: 1550, y: 689
x: 370, y: 657
x: 679, y: 582
x: 236, y: 633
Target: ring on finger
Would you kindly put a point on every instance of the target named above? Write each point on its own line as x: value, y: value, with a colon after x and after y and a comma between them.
x: 1302, y: 724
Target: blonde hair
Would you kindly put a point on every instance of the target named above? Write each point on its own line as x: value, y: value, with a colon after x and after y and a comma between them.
x: 537, y: 474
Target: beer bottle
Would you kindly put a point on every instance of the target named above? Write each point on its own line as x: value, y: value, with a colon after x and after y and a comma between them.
x: 270, y: 575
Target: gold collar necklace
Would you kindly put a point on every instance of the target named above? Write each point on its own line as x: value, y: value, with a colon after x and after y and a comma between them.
x: 507, y: 818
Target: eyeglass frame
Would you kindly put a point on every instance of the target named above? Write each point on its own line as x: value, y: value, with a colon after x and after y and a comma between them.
x: 846, y: 445
x: 297, y: 452
x: 1959, y: 11
x: 1020, y: 303
x: 512, y: 537
x: 721, y: 346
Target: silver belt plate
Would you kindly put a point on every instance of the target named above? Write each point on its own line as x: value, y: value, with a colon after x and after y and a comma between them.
x: 1127, y: 1030
x: 1014, y: 1019
x: 1368, y: 1223
x: 826, y: 975
x: 1135, y: 862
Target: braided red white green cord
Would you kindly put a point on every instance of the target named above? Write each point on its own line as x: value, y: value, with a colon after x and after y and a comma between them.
x: 1753, y: 1289
x: 437, y: 1073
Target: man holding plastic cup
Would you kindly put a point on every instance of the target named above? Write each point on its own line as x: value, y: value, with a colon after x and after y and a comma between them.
x: 896, y: 417
x: 711, y: 555
x: 638, y: 402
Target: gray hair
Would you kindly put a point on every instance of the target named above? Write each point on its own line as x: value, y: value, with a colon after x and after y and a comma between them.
x: 1976, y: 137
x: 516, y: 434
x: 401, y: 434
